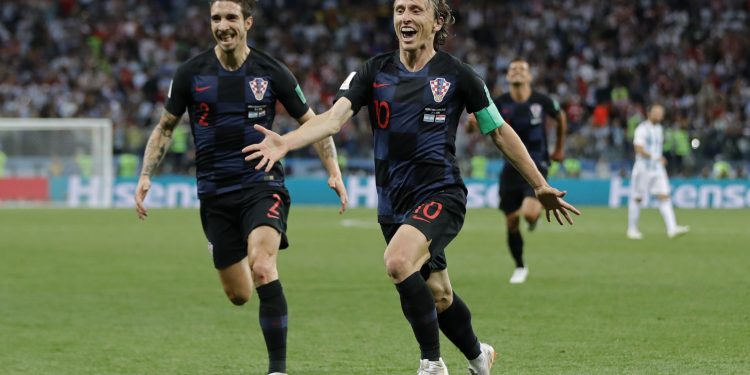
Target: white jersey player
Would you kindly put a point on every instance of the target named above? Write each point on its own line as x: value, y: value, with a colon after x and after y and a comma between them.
x: 649, y: 176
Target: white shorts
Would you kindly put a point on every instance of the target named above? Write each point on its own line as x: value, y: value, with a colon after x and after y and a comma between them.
x: 644, y: 182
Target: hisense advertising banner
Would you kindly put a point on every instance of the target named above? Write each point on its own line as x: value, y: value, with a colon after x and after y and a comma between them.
x: 179, y: 192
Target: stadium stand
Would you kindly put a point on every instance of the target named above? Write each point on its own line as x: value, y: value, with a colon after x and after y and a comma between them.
x: 604, y: 61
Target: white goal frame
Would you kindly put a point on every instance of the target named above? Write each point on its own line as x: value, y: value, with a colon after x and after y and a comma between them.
x: 101, y: 145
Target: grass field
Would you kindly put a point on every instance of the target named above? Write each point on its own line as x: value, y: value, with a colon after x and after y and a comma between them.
x: 98, y: 292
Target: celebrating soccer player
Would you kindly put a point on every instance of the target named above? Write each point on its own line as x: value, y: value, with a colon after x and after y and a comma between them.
x: 415, y: 96
x: 226, y: 90
x: 527, y: 111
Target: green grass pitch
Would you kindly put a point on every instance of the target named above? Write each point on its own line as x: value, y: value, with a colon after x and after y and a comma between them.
x: 99, y: 292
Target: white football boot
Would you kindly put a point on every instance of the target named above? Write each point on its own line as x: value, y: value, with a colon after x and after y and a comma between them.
x: 427, y: 367
x: 482, y: 364
x: 634, y: 234
x: 519, y: 275
x: 678, y: 230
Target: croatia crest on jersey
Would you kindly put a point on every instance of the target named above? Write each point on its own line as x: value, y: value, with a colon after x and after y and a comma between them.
x: 439, y: 87
x: 259, y: 86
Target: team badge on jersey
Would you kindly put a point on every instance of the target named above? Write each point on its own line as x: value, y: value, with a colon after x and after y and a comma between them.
x: 439, y: 87
x: 259, y: 86
x: 536, y: 114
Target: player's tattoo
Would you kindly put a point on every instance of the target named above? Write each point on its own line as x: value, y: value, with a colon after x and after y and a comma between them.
x: 158, y: 142
x: 326, y: 149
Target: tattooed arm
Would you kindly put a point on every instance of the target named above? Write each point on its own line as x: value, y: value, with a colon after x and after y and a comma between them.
x: 156, y: 148
x: 326, y: 150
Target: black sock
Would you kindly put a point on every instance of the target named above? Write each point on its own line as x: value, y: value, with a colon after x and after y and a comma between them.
x: 455, y: 322
x: 515, y: 243
x: 272, y: 314
x: 419, y: 309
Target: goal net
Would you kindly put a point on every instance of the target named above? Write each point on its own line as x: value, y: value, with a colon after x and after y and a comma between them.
x: 55, y: 162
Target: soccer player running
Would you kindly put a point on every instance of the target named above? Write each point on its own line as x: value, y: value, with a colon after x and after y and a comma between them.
x: 650, y: 177
x: 415, y: 97
x: 226, y: 90
x: 526, y: 111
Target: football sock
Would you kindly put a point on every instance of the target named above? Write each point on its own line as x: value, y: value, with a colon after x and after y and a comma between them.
x: 455, y: 322
x: 515, y: 243
x: 634, y: 211
x: 419, y: 309
x: 272, y: 314
x: 667, y: 212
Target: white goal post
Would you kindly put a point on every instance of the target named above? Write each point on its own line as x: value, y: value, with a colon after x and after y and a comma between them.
x: 40, y: 159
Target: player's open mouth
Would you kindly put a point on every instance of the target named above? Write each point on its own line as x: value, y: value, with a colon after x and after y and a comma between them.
x: 226, y: 37
x: 408, y: 33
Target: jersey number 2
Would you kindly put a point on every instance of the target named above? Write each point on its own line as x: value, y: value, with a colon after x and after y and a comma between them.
x: 206, y: 109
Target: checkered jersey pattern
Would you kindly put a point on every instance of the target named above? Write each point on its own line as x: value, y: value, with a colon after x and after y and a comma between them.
x: 528, y: 120
x: 223, y: 106
x: 414, y: 118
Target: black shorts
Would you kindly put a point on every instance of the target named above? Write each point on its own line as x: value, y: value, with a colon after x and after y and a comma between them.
x: 229, y: 218
x: 439, y: 218
x: 514, y: 189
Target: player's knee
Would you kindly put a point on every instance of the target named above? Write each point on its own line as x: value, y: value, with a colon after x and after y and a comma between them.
x: 238, y: 298
x: 397, y: 267
x: 263, y: 271
x: 531, y: 217
x: 512, y: 223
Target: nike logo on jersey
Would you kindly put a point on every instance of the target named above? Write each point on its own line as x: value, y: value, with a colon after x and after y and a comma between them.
x: 202, y: 88
x: 377, y: 85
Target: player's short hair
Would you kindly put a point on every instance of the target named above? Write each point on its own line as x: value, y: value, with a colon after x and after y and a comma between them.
x: 442, y: 9
x: 248, y: 6
x: 519, y: 59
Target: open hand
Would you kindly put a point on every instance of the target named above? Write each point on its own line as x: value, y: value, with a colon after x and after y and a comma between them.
x: 552, y: 200
x: 337, y: 184
x: 272, y: 149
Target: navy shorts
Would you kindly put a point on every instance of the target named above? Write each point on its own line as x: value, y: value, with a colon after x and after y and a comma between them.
x: 440, y: 218
x: 514, y: 189
x: 229, y: 218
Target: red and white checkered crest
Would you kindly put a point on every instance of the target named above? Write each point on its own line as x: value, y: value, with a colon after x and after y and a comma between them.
x: 259, y: 86
x: 439, y: 87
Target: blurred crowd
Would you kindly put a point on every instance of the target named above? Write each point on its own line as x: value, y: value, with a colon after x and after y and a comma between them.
x: 604, y: 61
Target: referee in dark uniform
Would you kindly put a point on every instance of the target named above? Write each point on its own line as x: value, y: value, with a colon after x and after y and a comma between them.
x: 225, y: 91
x: 526, y: 111
x: 415, y: 97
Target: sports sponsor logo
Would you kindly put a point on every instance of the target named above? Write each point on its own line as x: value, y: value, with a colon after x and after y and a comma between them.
x: 259, y: 86
x: 439, y: 87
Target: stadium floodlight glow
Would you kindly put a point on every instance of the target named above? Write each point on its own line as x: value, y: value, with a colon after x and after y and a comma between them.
x: 43, y: 158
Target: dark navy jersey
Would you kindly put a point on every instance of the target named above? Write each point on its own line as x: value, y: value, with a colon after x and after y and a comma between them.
x: 414, y: 117
x: 528, y: 120
x: 223, y: 107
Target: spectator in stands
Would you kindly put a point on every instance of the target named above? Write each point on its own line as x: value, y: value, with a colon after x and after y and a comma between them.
x: 56, y: 60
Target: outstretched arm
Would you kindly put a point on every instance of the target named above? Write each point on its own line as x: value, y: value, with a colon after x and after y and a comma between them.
x: 274, y: 147
x: 156, y: 148
x: 326, y: 150
x: 506, y: 139
x: 562, y: 126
